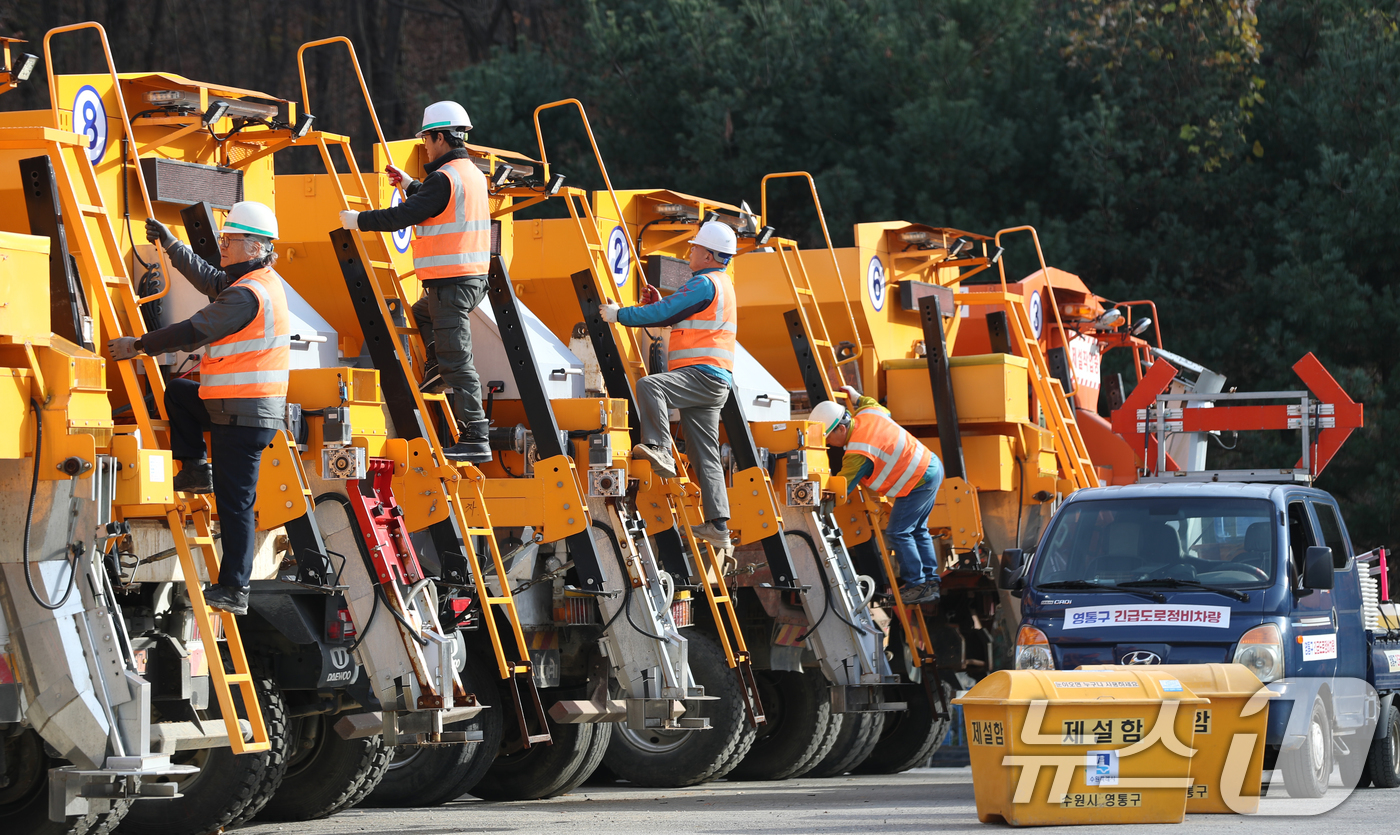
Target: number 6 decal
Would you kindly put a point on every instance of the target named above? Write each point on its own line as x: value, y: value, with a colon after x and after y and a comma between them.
x: 619, y: 258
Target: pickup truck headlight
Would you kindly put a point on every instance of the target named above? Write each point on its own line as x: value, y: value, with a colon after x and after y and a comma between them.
x: 1033, y: 650
x: 1261, y: 650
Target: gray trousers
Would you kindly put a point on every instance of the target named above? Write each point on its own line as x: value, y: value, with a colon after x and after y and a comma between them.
x: 699, y: 397
x: 443, y: 316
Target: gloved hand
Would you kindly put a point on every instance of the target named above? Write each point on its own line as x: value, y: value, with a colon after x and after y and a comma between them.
x: 156, y: 232
x: 609, y: 311
x: 397, y: 176
x: 650, y: 295
x: 123, y: 347
x: 349, y: 220
x: 851, y: 393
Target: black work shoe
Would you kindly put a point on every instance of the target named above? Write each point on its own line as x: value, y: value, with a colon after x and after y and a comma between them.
x: 932, y: 592
x: 231, y: 600
x: 473, y: 444
x: 433, y: 383
x: 909, y: 593
x: 195, y: 478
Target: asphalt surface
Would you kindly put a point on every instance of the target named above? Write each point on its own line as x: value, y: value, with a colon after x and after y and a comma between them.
x: 919, y: 801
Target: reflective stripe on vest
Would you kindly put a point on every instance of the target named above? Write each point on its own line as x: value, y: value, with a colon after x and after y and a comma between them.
x: 899, y: 458
x: 254, y: 361
x: 456, y: 242
x: 709, y: 337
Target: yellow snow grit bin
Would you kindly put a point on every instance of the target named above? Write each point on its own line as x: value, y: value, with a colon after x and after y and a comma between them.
x: 1073, y: 747
x: 1229, y: 764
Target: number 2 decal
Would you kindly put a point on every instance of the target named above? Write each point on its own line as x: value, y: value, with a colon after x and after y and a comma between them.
x: 619, y: 258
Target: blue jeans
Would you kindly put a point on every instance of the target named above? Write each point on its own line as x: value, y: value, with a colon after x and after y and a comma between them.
x: 908, y: 529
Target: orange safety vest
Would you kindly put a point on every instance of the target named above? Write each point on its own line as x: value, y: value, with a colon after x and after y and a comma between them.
x: 456, y: 242
x: 900, y: 459
x: 253, y: 362
x: 711, y: 336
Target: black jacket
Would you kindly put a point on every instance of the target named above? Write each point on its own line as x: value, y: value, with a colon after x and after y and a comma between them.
x: 231, y: 310
x: 426, y: 199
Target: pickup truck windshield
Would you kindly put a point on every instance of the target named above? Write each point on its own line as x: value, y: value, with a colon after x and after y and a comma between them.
x: 1225, y: 543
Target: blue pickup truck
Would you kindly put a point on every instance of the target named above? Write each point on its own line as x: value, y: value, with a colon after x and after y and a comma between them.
x: 1198, y: 572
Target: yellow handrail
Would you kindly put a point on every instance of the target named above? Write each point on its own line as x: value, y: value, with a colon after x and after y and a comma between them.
x: 126, y: 126
x: 636, y: 263
x: 1044, y: 270
x: 826, y: 235
x: 364, y: 90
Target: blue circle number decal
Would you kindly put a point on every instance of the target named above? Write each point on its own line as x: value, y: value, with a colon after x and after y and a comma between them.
x: 90, y: 120
x: 619, y: 256
x: 875, y: 282
x: 404, y: 236
x: 1036, y: 313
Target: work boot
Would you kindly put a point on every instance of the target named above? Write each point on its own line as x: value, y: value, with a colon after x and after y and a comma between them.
x: 473, y: 445
x: 713, y: 534
x: 231, y: 600
x: 661, y: 461
x: 933, y: 590
x: 433, y: 382
x: 194, y: 477
x: 909, y: 593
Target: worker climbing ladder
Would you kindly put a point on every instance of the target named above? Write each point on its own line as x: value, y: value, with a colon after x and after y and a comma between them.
x: 62, y: 185
x: 374, y: 287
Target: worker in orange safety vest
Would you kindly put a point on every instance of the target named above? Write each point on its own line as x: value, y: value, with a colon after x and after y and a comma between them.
x: 703, y: 317
x: 451, y: 218
x: 882, y: 456
x: 241, y: 396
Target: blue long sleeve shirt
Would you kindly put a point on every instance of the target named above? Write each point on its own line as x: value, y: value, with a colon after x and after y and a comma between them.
x: 695, y: 296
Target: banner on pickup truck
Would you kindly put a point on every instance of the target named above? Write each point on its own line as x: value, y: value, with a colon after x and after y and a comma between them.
x: 1209, y: 616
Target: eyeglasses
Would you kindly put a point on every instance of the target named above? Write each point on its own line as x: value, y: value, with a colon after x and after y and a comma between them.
x: 230, y: 240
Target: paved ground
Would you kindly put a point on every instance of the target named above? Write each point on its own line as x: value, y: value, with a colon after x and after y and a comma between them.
x: 920, y: 801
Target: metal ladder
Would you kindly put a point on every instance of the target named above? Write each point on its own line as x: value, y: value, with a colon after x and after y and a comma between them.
x: 462, y: 485
x: 104, y: 277
x: 808, y: 311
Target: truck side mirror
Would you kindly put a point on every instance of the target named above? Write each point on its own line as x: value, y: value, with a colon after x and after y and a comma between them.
x: 1317, y: 568
x: 1013, y: 561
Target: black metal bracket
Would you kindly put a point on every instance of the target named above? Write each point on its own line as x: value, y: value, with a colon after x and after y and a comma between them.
x: 535, y: 400
x: 200, y: 226
x: 806, y: 359
x: 610, y: 361
x: 999, y: 332
x: 67, y: 304
x: 940, y: 375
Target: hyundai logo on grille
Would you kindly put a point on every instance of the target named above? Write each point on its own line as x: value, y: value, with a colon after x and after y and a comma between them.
x: 1142, y: 656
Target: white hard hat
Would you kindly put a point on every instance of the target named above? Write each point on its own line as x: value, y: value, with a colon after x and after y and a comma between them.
x: 717, y: 237
x: 251, y: 218
x: 828, y: 413
x: 445, y: 115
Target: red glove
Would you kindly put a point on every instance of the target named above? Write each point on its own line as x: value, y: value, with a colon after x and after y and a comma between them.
x: 396, y: 175
x: 650, y: 295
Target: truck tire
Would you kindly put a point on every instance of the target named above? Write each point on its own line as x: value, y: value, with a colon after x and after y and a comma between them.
x: 1383, y: 760
x: 326, y: 773
x: 1307, y: 770
x: 24, y: 799
x: 675, y: 759
x: 229, y: 788
x: 828, y: 743
x: 542, y: 771
x: 798, y: 707
x: 857, y: 738
x: 437, y: 774
x: 909, y: 737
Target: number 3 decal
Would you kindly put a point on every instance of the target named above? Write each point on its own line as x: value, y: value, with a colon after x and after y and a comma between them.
x: 90, y: 121
x: 619, y: 258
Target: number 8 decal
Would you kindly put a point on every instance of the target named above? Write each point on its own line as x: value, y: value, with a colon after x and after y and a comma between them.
x: 619, y: 258
x: 90, y: 121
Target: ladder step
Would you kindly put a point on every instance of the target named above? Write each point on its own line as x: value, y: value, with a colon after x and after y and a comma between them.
x: 803, y: 291
x: 821, y: 343
x: 437, y: 396
x: 480, y: 532
x: 238, y: 678
x: 539, y: 738
x: 499, y: 601
x: 114, y: 280
x: 357, y: 201
x: 89, y: 209
x: 382, y: 265
x: 200, y: 540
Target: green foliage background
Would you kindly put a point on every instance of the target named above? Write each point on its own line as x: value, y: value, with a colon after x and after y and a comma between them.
x: 1236, y: 162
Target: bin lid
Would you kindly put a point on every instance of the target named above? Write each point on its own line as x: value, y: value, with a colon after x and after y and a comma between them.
x: 959, y: 362
x: 1208, y: 680
x: 1126, y: 686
